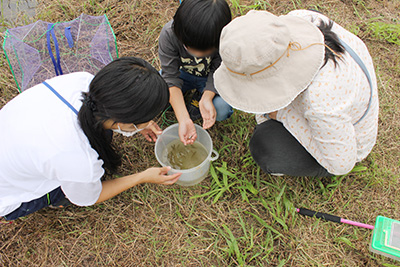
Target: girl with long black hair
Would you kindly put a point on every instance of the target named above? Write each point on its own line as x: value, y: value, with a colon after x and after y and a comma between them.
x: 56, y: 136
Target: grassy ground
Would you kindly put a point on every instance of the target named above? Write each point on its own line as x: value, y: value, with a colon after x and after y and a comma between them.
x: 239, y: 216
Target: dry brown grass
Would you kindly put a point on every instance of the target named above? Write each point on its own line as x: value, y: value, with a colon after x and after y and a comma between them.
x: 162, y: 226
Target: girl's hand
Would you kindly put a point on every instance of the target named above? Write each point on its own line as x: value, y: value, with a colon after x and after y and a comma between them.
x: 151, y: 131
x: 159, y: 176
x: 111, y: 188
x: 187, y: 132
x: 207, y: 109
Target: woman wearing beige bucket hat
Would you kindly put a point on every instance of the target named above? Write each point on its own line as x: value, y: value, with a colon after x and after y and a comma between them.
x: 311, y: 85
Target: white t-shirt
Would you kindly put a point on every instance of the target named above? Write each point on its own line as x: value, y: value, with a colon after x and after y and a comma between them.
x: 42, y: 146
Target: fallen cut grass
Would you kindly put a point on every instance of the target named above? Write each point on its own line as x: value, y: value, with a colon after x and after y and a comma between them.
x: 239, y: 216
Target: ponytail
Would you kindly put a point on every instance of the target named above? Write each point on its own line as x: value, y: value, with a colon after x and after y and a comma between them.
x: 98, y: 138
x: 331, y: 40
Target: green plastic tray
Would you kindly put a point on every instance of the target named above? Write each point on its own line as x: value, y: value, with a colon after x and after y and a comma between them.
x: 386, y: 238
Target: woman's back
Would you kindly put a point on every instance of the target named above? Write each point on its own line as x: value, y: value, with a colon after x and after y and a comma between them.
x: 39, y: 135
x: 322, y: 118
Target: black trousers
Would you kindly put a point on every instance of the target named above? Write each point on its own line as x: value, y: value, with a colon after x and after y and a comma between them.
x: 276, y: 150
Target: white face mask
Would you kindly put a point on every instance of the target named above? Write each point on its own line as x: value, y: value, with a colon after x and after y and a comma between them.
x: 125, y: 133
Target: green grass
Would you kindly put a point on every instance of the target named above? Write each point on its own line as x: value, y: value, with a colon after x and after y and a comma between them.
x: 240, y: 8
x: 389, y: 32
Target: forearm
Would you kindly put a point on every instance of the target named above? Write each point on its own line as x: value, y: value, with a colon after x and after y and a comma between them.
x: 178, y: 104
x: 208, y: 95
x: 111, y: 188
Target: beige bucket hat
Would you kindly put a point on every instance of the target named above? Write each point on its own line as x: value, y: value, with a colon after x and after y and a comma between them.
x: 267, y: 61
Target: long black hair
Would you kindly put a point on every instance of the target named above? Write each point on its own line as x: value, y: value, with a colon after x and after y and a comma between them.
x: 128, y: 90
x: 331, y: 40
x: 198, y: 23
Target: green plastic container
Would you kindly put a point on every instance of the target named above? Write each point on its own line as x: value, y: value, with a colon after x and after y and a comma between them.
x: 386, y: 238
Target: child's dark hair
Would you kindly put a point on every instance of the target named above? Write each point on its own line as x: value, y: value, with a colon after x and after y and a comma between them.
x: 128, y: 90
x: 198, y: 23
x: 331, y: 40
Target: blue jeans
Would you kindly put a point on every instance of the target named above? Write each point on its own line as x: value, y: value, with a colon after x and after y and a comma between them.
x: 224, y: 110
x: 51, y: 198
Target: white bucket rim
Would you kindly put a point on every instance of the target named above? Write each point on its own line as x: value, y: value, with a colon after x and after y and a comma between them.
x: 207, y: 160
